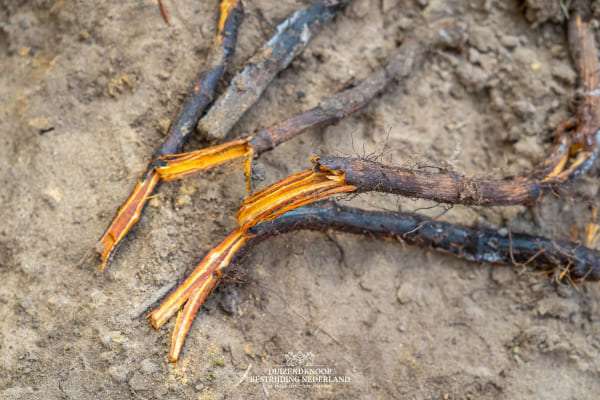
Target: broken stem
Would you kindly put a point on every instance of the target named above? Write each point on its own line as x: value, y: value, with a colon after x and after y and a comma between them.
x: 291, y: 37
x: 177, y: 166
x: 187, y: 315
x: 127, y: 216
x: 474, y: 244
x: 211, y: 264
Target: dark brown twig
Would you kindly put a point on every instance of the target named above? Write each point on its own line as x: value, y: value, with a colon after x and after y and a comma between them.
x: 443, y: 187
x: 564, y: 259
x: 291, y: 37
x: 401, y: 63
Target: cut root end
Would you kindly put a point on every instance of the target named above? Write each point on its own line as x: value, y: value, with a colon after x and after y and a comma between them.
x: 126, y: 218
x: 178, y: 166
x: 211, y: 266
x: 185, y: 318
x: 295, y: 191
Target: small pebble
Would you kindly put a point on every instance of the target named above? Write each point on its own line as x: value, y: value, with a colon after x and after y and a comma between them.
x: 405, y: 293
x: 509, y: 42
x: 183, y: 200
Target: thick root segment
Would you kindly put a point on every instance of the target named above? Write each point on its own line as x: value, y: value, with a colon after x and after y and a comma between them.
x: 179, y: 166
x: 126, y: 218
x: 563, y: 259
x: 295, y: 191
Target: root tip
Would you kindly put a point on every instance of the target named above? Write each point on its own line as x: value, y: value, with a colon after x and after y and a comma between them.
x: 153, y: 321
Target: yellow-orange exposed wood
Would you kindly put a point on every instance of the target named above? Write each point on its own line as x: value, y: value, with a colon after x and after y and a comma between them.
x: 592, y: 230
x: 225, y: 9
x: 212, y: 263
x: 186, y: 316
x: 199, y: 99
x: 300, y: 187
x: 177, y: 166
x: 126, y: 217
x: 297, y: 190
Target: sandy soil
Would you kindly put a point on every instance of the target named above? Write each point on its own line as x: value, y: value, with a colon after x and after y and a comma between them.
x: 86, y: 91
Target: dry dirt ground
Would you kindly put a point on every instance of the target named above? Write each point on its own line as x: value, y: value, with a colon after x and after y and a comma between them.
x: 86, y: 91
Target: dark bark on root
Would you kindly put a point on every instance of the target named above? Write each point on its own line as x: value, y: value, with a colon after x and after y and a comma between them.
x: 479, y: 245
x: 291, y: 38
x: 577, y: 150
x: 443, y: 187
